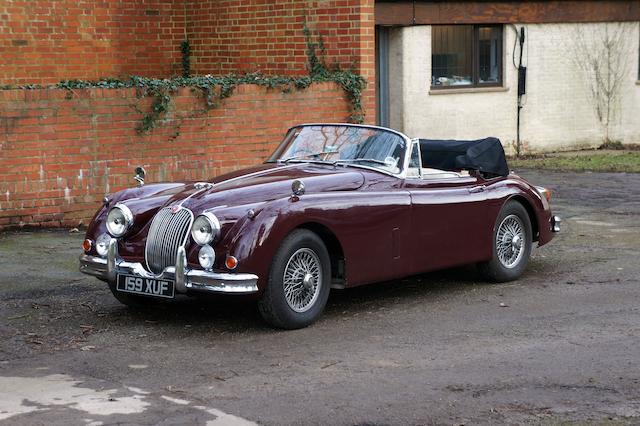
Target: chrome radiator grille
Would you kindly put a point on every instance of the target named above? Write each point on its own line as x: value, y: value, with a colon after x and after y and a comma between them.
x: 168, y: 232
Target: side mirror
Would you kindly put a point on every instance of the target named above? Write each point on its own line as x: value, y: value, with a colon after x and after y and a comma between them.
x: 139, y: 175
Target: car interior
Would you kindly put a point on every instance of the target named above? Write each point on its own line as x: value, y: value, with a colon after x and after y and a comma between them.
x: 415, y: 170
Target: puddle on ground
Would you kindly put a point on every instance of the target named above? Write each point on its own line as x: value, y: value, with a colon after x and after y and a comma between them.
x: 20, y: 395
x: 23, y: 395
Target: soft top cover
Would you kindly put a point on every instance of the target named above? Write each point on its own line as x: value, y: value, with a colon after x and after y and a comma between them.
x: 485, y: 155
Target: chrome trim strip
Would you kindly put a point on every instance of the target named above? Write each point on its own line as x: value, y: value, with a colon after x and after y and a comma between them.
x: 362, y: 126
x: 205, y: 186
x: 196, y: 192
x: 258, y: 173
x: 186, y: 279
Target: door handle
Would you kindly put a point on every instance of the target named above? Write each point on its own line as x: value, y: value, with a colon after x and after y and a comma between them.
x: 476, y: 189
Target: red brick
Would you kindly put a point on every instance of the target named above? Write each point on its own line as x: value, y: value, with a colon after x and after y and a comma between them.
x: 242, y: 132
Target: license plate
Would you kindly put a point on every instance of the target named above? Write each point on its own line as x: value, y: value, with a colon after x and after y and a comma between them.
x: 145, y: 286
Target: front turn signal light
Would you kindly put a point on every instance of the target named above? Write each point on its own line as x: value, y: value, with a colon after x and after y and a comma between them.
x: 231, y: 262
x: 544, y: 192
x: 86, y: 245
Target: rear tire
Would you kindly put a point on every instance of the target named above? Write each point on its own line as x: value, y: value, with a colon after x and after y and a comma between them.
x: 298, y: 283
x: 511, y: 244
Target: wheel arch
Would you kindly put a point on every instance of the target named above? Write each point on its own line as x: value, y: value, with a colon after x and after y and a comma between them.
x: 334, y: 247
x: 533, y: 218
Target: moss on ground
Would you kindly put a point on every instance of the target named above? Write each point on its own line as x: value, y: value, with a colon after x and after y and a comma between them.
x: 582, y: 161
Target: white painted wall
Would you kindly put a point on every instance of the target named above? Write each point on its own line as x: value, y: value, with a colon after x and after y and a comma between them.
x: 557, y: 114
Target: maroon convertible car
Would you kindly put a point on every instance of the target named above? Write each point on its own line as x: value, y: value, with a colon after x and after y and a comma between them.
x: 336, y: 205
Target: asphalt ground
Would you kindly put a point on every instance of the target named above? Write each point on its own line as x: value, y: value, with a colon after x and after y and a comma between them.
x: 559, y: 346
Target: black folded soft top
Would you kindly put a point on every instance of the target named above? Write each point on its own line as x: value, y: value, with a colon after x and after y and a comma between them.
x: 485, y: 155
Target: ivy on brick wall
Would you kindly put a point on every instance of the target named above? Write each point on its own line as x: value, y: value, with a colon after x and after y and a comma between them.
x: 216, y: 88
x: 351, y: 82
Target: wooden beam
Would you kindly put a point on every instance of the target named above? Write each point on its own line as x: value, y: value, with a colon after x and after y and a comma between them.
x: 505, y: 12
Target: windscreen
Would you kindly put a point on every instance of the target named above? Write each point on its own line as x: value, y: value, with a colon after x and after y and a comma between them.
x: 348, y: 145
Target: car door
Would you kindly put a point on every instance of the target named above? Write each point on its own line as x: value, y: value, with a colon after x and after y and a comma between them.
x: 449, y: 217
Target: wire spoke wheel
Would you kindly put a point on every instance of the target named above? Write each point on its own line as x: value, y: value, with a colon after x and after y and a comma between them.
x: 510, y: 241
x: 302, y: 279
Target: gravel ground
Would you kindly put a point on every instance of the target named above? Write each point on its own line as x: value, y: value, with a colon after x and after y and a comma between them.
x: 558, y: 346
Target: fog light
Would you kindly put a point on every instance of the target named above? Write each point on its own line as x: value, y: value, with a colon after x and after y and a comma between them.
x: 86, y: 245
x: 206, y: 257
x: 231, y: 262
x: 102, y: 244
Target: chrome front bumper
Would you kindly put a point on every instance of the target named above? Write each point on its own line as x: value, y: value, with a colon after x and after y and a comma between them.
x: 185, y: 279
x: 555, y: 223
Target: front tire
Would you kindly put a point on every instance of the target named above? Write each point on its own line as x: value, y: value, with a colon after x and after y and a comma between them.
x: 298, y: 283
x: 511, y: 244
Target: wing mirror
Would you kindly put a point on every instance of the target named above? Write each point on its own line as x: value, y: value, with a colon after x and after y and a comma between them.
x: 139, y: 175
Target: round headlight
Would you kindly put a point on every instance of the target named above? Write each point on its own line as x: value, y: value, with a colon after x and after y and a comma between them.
x: 119, y: 220
x: 206, y: 257
x: 102, y: 244
x: 205, y: 229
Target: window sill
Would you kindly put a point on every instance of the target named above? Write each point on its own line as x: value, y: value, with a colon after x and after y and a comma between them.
x: 433, y: 91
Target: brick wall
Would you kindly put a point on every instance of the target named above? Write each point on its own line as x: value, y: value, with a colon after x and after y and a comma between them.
x: 259, y: 35
x: 45, y: 41
x: 267, y: 35
x: 59, y: 156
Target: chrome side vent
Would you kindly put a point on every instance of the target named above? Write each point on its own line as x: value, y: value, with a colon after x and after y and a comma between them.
x: 169, y: 231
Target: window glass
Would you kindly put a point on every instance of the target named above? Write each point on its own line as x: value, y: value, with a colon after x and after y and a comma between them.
x: 415, y: 162
x: 451, y: 55
x: 489, y: 46
x: 466, y: 55
x: 344, y: 145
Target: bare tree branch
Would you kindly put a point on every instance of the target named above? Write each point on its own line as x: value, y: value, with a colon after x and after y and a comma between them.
x: 602, y: 56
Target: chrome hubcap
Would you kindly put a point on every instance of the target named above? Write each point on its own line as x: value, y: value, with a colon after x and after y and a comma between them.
x: 307, y: 282
x: 510, y: 241
x: 302, y: 280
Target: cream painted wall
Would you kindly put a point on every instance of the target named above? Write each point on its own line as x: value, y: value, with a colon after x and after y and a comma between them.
x: 557, y: 114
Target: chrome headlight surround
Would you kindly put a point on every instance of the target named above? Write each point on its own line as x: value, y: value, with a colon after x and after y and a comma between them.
x: 119, y: 220
x: 205, y: 229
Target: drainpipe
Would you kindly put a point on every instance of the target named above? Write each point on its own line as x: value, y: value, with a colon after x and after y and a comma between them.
x: 414, y: 12
x: 522, y: 90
